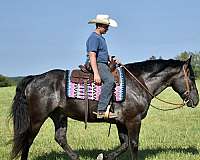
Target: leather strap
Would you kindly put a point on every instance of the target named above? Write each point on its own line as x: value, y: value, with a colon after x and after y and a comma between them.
x: 86, y: 102
x: 186, y: 71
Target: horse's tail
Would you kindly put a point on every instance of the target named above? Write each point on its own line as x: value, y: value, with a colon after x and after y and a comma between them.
x: 21, y: 117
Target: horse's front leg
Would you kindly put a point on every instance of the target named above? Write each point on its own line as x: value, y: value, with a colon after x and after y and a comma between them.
x: 133, y: 126
x: 123, y: 137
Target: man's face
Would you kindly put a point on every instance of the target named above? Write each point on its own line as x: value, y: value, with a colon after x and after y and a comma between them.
x: 104, y: 28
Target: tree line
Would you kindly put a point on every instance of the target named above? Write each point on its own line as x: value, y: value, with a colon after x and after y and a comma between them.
x: 195, y: 61
x: 10, y: 81
x: 184, y: 56
x: 5, y: 81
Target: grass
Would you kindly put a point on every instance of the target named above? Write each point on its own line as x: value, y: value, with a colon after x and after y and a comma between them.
x: 164, y: 135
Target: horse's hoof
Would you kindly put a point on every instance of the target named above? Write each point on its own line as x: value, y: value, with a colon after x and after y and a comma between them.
x: 100, y: 156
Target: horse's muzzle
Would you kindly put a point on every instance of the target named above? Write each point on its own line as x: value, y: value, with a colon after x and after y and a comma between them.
x: 189, y: 103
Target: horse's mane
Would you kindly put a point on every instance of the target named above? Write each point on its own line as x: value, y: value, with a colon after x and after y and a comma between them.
x: 153, y: 66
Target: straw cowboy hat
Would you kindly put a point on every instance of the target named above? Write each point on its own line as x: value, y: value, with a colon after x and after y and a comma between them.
x: 103, y: 19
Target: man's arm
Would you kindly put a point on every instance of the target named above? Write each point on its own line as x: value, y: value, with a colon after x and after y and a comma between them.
x: 93, y: 62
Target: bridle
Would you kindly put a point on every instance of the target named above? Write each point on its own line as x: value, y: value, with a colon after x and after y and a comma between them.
x: 186, y: 93
x: 186, y: 77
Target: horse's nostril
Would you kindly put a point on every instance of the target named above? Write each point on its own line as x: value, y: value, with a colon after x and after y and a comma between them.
x: 190, y: 103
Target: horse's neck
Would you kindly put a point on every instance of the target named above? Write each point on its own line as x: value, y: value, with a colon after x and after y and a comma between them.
x: 160, y: 81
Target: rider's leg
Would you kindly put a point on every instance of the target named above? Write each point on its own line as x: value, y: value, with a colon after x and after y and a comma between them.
x: 107, y: 87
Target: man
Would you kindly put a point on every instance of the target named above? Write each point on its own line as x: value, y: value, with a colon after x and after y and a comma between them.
x: 98, y: 56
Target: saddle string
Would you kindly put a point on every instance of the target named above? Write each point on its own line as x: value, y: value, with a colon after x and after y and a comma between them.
x: 179, y: 104
x: 86, y: 102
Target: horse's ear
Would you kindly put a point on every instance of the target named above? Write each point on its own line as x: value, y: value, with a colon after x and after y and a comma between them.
x: 188, y: 61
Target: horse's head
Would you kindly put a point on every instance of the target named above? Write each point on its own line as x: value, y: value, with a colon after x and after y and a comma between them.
x: 184, y: 84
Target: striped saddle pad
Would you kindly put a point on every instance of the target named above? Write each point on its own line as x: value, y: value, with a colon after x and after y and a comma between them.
x: 77, y: 89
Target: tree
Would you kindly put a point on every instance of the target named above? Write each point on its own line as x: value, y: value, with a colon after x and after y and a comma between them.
x: 196, y: 64
x: 5, y: 82
x: 183, y: 55
x: 195, y: 61
x: 152, y: 58
x: 160, y: 57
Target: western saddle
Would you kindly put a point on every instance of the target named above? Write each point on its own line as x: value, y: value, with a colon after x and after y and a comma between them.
x: 84, y: 75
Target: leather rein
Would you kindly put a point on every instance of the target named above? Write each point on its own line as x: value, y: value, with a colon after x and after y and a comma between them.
x: 179, y: 105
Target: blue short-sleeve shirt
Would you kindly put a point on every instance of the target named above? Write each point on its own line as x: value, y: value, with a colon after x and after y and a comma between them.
x: 97, y: 43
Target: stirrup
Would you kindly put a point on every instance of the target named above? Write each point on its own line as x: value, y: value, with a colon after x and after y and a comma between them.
x: 107, y: 114
x: 107, y: 111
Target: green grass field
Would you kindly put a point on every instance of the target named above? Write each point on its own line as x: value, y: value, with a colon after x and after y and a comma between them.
x: 172, y: 135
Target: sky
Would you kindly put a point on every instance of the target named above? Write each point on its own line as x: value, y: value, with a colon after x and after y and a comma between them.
x: 40, y: 35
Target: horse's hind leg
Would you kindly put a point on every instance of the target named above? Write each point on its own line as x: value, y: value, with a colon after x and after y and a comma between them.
x: 30, y: 136
x: 60, y: 122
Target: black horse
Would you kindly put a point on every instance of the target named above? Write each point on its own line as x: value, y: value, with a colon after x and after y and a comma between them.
x: 41, y: 96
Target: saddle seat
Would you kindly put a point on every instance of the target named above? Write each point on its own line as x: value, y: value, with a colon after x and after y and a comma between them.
x: 82, y: 75
x: 78, y: 76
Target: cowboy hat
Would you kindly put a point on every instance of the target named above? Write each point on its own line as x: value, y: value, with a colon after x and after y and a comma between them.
x: 103, y: 19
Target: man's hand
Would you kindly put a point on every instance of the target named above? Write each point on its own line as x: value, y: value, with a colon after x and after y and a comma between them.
x: 113, y: 58
x: 116, y: 60
x: 97, y: 79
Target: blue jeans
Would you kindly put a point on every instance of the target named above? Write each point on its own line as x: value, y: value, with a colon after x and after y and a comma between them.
x: 107, y: 87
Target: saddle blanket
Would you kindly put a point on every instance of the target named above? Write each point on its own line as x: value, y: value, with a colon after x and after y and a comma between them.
x: 77, y: 90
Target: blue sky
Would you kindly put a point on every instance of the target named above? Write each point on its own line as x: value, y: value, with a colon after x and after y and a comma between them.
x: 37, y: 36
